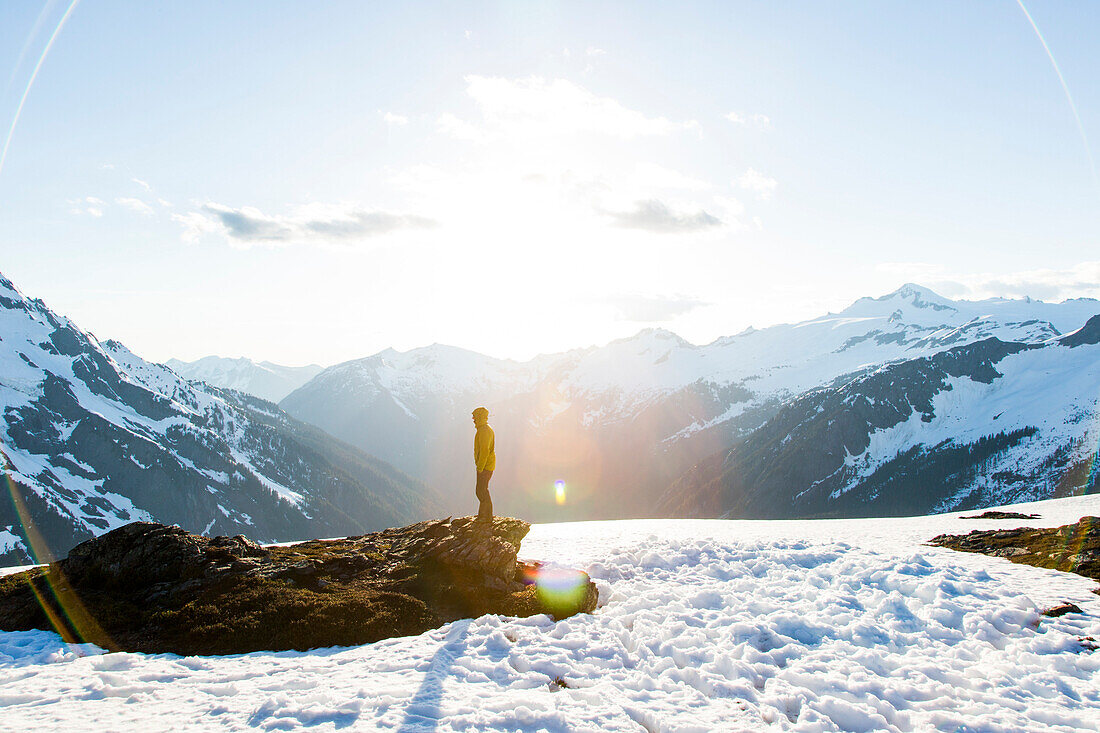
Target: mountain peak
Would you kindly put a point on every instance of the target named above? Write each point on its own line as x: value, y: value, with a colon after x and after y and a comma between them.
x: 659, y: 334
x: 920, y: 296
x: 911, y: 294
x: 9, y: 291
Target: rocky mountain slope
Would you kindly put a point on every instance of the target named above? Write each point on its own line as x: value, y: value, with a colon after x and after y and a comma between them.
x: 95, y: 437
x: 620, y: 423
x: 263, y: 379
x: 977, y: 425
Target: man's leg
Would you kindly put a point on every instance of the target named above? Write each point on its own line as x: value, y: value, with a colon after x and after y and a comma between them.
x: 485, y: 505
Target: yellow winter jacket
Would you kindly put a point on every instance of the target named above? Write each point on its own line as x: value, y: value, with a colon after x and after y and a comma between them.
x: 485, y: 457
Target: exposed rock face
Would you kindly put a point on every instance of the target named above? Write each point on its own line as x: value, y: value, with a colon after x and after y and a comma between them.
x: 920, y: 436
x: 994, y: 514
x: 153, y: 588
x: 1074, y: 548
x: 1087, y: 334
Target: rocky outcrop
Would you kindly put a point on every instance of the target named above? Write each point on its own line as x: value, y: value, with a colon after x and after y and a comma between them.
x: 996, y: 514
x: 1073, y: 548
x: 154, y: 588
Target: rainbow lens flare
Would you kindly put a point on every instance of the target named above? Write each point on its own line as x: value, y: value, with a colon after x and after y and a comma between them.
x: 62, y: 606
x: 559, y: 492
x: 561, y: 590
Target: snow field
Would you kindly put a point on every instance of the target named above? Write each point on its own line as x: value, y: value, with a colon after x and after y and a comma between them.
x: 704, y: 625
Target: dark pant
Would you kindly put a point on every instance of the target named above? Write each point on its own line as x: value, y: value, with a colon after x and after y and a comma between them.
x: 485, y: 508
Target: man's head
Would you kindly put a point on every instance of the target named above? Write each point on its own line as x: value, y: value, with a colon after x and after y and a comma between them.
x: 481, y: 416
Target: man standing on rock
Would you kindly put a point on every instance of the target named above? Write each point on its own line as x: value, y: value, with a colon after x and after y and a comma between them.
x: 485, y: 460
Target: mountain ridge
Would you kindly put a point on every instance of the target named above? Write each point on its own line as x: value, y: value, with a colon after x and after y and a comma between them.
x: 640, y: 411
x: 981, y: 424
x: 96, y: 437
x: 263, y: 379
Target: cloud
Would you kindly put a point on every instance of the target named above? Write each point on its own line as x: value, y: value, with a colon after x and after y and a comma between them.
x: 746, y: 119
x: 143, y: 184
x: 135, y: 205
x: 757, y: 182
x: 1079, y: 281
x: 593, y: 51
x: 248, y: 225
x: 394, y: 119
x: 654, y: 215
x: 365, y: 224
x: 537, y: 107
x: 652, y: 308
x: 195, y: 225
x: 89, y: 205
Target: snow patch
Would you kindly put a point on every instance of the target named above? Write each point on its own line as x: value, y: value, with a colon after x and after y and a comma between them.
x: 10, y: 541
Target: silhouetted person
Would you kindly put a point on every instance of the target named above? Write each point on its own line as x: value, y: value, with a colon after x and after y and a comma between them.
x: 485, y: 460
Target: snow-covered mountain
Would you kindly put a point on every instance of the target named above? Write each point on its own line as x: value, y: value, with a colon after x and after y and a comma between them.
x: 414, y: 408
x: 271, y: 382
x: 982, y: 424
x: 620, y: 423
x: 95, y: 437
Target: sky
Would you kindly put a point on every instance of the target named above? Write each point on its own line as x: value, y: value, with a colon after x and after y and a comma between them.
x: 315, y: 182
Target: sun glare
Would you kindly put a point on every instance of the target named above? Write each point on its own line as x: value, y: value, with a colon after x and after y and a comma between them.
x: 561, y: 590
x: 559, y: 492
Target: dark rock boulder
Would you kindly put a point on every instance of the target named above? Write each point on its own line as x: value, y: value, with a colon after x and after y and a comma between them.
x: 154, y: 588
x: 1062, y: 609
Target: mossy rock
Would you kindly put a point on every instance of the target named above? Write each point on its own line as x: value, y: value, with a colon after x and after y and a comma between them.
x: 151, y: 588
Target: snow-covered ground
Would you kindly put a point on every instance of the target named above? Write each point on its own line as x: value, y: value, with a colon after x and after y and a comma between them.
x: 704, y: 625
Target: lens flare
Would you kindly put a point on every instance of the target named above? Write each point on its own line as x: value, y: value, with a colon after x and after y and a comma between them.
x: 1069, y: 97
x: 34, y: 75
x: 562, y: 590
x: 63, y: 608
x: 559, y: 492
